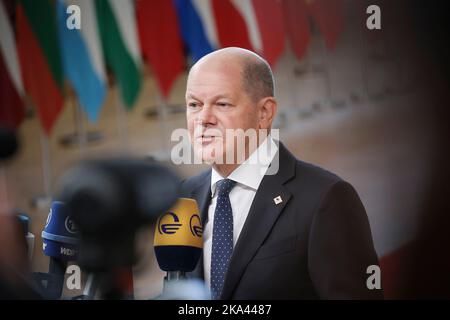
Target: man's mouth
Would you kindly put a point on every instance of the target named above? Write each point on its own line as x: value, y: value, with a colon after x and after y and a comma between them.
x: 205, y: 138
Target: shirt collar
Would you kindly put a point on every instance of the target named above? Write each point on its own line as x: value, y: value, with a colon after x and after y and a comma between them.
x: 251, y: 172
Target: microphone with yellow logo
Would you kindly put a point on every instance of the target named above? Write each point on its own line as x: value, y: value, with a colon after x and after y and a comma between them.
x: 178, y: 239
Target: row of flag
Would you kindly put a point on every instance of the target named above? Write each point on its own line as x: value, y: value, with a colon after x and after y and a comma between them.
x: 39, y: 52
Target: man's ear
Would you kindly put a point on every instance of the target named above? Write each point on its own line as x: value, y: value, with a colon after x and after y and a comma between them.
x: 267, y: 112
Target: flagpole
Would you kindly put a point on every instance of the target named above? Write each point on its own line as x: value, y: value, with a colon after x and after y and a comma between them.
x: 304, y: 111
x: 46, y: 165
x: 81, y: 137
x: 295, y: 75
x: 363, y: 65
x: 82, y: 134
x: 161, y: 102
x: 286, y: 66
x: 327, y: 76
x: 121, y: 118
x: 299, y: 74
x: 163, y: 153
x: 43, y: 201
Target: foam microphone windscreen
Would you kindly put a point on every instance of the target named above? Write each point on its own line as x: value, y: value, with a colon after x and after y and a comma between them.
x: 60, y: 236
x: 178, y: 238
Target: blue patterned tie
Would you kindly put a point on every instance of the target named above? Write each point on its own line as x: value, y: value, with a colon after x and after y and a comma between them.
x: 222, y: 242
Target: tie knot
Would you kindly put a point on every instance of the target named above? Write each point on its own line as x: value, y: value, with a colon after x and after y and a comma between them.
x: 225, y: 186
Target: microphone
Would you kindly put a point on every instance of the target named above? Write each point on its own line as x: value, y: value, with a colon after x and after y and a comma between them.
x: 60, y: 239
x: 178, y: 241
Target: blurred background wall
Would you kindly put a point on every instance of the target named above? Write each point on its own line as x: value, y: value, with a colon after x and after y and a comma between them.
x: 353, y: 100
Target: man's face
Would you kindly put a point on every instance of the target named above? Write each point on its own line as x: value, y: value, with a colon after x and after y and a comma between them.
x: 216, y: 101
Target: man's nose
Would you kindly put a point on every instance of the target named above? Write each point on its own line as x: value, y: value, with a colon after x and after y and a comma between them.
x: 206, y: 115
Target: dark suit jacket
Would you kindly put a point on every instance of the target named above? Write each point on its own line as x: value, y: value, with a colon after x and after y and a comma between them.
x: 315, y: 244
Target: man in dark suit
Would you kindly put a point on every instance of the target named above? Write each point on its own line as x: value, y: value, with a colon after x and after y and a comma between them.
x: 274, y: 227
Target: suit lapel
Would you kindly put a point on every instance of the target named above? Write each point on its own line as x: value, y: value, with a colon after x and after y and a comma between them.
x: 263, y: 213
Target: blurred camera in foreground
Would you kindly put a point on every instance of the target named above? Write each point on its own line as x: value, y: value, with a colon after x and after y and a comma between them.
x: 109, y: 200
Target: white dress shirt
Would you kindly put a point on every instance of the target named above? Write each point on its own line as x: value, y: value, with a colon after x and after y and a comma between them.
x: 248, y: 177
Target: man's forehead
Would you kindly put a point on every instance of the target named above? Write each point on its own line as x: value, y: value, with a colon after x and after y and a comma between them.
x: 215, y: 71
x: 225, y: 83
x: 212, y: 79
x: 201, y: 95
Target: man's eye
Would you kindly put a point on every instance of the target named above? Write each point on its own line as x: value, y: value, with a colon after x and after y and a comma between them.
x: 193, y: 105
x: 223, y: 104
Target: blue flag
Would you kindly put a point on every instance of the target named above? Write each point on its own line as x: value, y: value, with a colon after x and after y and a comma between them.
x: 82, y: 57
x: 193, y: 29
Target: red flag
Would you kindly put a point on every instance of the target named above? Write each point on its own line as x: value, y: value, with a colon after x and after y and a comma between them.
x: 11, y: 107
x: 329, y: 17
x: 11, y: 87
x: 161, y: 41
x: 270, y: 21
x: 231, y: 28
x: 38, y: 51
x: 297, y: 25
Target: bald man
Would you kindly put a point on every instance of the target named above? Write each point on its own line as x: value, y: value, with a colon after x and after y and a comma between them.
x: 274, y: 227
